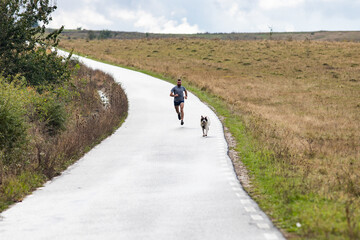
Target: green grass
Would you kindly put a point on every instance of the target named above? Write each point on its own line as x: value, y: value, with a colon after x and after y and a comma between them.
x: 16, y: 188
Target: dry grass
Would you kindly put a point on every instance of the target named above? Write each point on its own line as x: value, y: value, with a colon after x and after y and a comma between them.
x: 301, y: 99
x: 307, y: 90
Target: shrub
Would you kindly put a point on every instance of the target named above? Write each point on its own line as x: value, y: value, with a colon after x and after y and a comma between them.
x: 13, y: 126
x: 51, y: 111
x: 91, y: 35
x: 104, y: 34
x: 44, y: 68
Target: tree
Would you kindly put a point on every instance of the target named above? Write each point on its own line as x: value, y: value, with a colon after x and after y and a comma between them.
x: 24, y: 44
x: 104, y: 34
x: 91, y: 35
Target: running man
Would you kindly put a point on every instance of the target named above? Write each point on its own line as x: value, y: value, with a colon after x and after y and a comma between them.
x: 177, y: 93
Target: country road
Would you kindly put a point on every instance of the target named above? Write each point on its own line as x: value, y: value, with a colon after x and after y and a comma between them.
x: 152, y: 179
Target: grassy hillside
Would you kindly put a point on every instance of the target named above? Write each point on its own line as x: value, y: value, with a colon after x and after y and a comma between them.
x: 296, y: 101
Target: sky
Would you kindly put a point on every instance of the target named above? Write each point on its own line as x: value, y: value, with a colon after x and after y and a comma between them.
x: 198, y: 16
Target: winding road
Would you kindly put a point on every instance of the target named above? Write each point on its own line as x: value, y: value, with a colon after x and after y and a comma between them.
x: 152, y: 179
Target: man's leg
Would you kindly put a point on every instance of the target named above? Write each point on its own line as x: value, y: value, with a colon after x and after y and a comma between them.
x: 177, y: 111
x: 182, y: 111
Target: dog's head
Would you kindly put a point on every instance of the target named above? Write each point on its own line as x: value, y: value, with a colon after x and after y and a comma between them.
x: 203, y: 120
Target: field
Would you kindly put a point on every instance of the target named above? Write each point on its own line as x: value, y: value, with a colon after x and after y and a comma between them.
x: 299, y: 103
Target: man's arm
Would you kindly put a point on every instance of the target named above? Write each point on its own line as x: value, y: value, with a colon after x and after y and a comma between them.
x: 173, y: 95
x: 185, y: 94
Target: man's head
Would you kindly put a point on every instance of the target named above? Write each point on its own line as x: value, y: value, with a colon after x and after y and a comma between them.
x: 179, y: 82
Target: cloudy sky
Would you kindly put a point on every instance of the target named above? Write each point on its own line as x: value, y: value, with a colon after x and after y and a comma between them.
x: 193, y: 16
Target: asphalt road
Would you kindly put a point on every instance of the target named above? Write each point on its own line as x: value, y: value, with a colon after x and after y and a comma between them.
x: 152, y: 179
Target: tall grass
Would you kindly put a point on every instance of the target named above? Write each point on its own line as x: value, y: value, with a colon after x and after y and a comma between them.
x: 294, y: 109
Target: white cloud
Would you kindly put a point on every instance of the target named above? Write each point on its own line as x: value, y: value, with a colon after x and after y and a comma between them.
x: 335, y: 1
x: 123, y: 14
x: 86, y: 18
x: 90, y: 1
x: 183, y: 27
x: 233, y: 9
x: 149, y: 23
x: 289, y: 28
x: 274, y: 4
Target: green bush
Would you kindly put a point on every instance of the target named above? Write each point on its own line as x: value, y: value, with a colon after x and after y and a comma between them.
x: 91, y: 35
x: 51, y: 111
x: 13, y: 109
x: 104, y: 34
x: 43, y: 68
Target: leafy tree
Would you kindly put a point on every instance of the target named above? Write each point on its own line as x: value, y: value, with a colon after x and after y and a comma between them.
x: 24, y: 44
x: 91, y: 35
x: 104, y: 34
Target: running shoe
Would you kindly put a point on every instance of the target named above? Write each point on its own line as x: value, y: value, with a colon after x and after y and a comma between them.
x: 182, y: 122
x: 179, y: 116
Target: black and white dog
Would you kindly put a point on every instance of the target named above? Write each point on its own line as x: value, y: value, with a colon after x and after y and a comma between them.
x: 205, y: 123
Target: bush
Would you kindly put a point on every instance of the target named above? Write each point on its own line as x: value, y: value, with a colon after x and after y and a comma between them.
x: 91, y: 35
x: 104, y: 34
x: 51, y: 111
x: 42, y: 67
x: 13, y: 109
